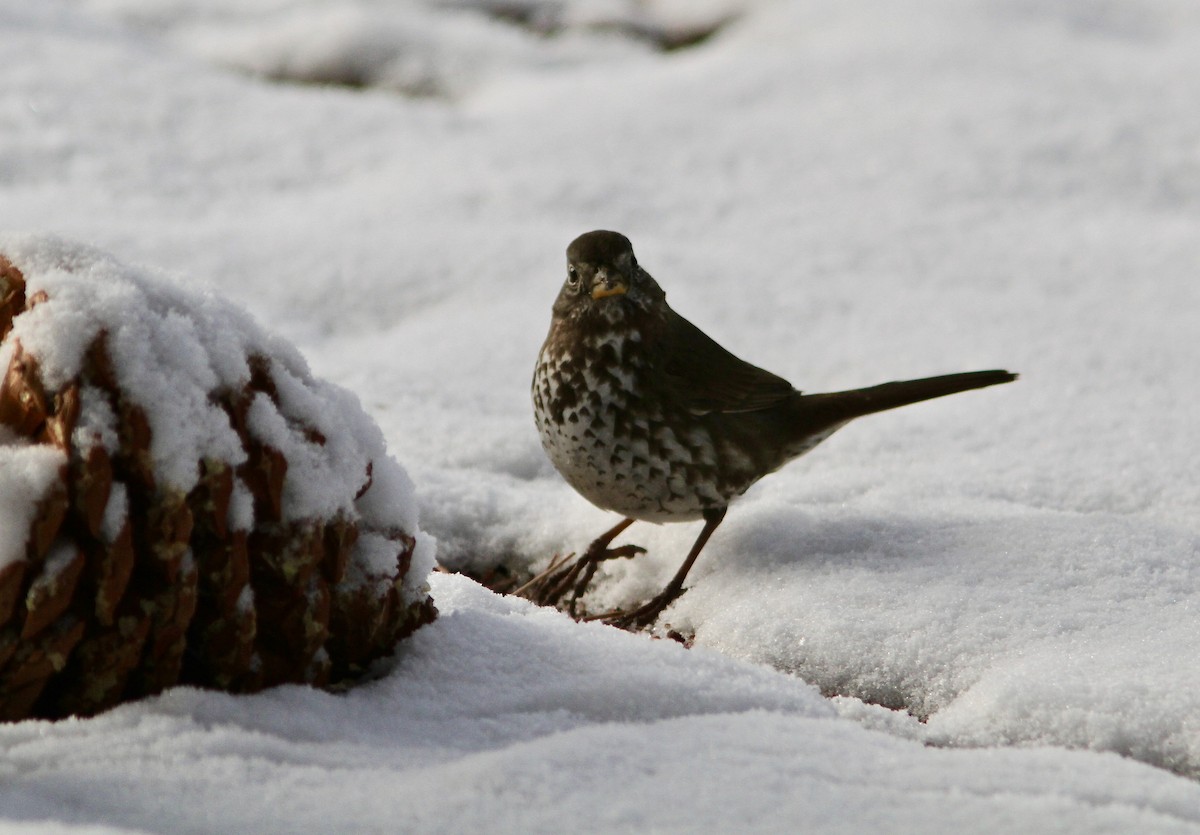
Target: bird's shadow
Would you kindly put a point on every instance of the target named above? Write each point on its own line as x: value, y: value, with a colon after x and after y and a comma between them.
x: 769, y: 537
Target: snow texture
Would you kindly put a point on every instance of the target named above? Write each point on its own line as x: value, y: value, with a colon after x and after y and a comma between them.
x: 29, y: 472
x: 584, y: 724
x: 841, y: 193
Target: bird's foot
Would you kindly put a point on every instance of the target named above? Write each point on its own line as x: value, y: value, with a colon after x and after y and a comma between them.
x: 566, y: 575
x: 644, y: 615
x: 598, y: 555
x: 546, y: 587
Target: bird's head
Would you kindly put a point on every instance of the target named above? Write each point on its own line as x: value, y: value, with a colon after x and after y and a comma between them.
x: 603, y: 276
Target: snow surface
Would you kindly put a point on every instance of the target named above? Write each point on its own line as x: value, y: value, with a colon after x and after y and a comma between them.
x: 842, y: 193
x: 29, y: 473
x: 505, y: 718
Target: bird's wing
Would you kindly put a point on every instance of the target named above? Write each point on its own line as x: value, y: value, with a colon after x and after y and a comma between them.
x: 704, y: 377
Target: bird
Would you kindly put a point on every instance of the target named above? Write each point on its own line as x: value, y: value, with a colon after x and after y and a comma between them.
x: 645, y: 415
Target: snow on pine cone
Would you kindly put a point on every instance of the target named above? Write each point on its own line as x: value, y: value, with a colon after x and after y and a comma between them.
x: 180, y: 500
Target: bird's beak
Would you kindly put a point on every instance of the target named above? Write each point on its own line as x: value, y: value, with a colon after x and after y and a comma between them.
x: 606, y: 286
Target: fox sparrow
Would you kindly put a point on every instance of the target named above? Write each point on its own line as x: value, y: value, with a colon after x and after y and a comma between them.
x: 645, y: 415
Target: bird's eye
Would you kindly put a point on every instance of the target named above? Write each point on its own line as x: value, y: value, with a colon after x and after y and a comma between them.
x: 572, y: 276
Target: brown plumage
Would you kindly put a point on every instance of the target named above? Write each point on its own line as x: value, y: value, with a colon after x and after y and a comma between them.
x: 645, y: 415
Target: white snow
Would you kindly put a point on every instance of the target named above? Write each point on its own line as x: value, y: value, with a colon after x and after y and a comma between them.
x: 97, y: 423
x: 29, y: 474
x: 241, y: 508
x: 504, y: 718
x: 841, y: 193
x: 116, y: 511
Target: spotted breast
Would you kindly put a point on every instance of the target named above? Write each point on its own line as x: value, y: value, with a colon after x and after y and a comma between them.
x: 611, y: 437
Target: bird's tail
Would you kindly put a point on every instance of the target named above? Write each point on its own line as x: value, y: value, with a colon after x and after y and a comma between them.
x: 837, y: 407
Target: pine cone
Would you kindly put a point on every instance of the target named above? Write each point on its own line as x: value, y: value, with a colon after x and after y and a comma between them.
x: 180, y: 500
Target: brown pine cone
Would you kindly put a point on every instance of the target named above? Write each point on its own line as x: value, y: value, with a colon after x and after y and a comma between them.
x: 180, y: 500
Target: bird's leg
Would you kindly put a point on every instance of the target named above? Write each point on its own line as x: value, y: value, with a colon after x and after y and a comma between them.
x: 548, y: 587
x: 592, y: 559
x: 649, y: 611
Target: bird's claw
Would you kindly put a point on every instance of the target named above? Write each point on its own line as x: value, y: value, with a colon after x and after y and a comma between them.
x: 620, y: 552
x: 641, y: 617
x: 548, y: 585
x: 565, y: 575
